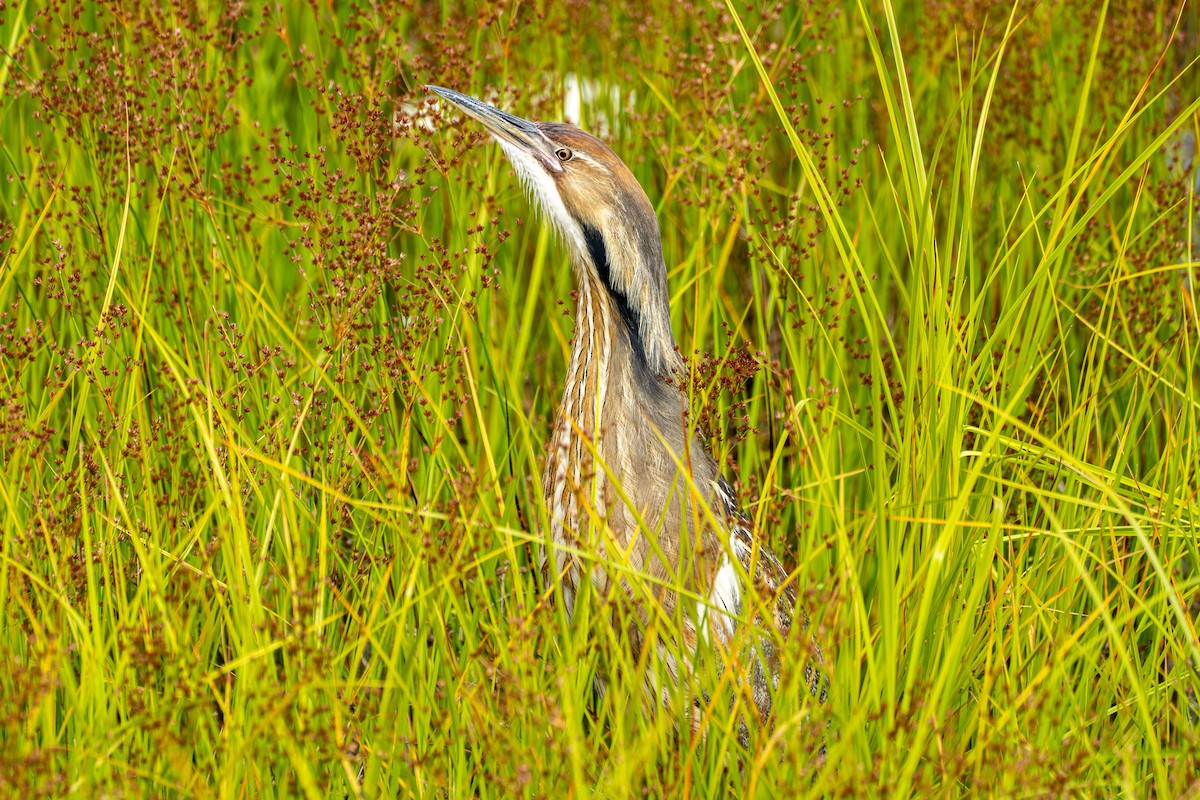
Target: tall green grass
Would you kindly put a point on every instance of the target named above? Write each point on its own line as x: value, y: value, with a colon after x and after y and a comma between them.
x: 282, y: 343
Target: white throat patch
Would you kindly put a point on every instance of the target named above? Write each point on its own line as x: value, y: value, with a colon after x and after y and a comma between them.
x: 541, y: 188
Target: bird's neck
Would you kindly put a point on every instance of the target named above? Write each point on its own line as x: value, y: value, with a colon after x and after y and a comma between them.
x: 598, y: 401
x: 619, y: 434
x: 599, y: 348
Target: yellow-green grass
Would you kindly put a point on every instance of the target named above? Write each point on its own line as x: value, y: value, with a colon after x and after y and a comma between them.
x: 282, y: 340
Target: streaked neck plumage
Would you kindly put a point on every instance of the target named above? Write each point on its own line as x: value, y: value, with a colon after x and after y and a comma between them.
x: 618, y: 403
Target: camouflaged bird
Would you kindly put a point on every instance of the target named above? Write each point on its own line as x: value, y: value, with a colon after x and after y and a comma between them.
x: 626, y: 483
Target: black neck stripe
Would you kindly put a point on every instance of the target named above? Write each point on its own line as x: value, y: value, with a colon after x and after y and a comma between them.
x: 629, y: 315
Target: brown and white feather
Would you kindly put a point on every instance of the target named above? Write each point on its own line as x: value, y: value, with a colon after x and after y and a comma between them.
x: 626, y: 482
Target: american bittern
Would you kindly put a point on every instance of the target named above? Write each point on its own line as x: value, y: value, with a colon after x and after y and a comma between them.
x: 626, y: 480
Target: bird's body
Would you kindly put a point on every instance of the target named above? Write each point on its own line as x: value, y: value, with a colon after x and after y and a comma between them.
x: 636, y: 504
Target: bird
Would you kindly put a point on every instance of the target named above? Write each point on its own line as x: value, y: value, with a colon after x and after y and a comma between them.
x: 636, y: 504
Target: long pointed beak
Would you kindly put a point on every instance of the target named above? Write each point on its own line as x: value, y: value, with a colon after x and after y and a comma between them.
x: 506, y: 128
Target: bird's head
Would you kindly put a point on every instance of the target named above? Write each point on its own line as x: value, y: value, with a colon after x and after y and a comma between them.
x: 592, y: 199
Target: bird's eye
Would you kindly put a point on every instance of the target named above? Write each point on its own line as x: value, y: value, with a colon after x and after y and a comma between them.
x: 564, y: 154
